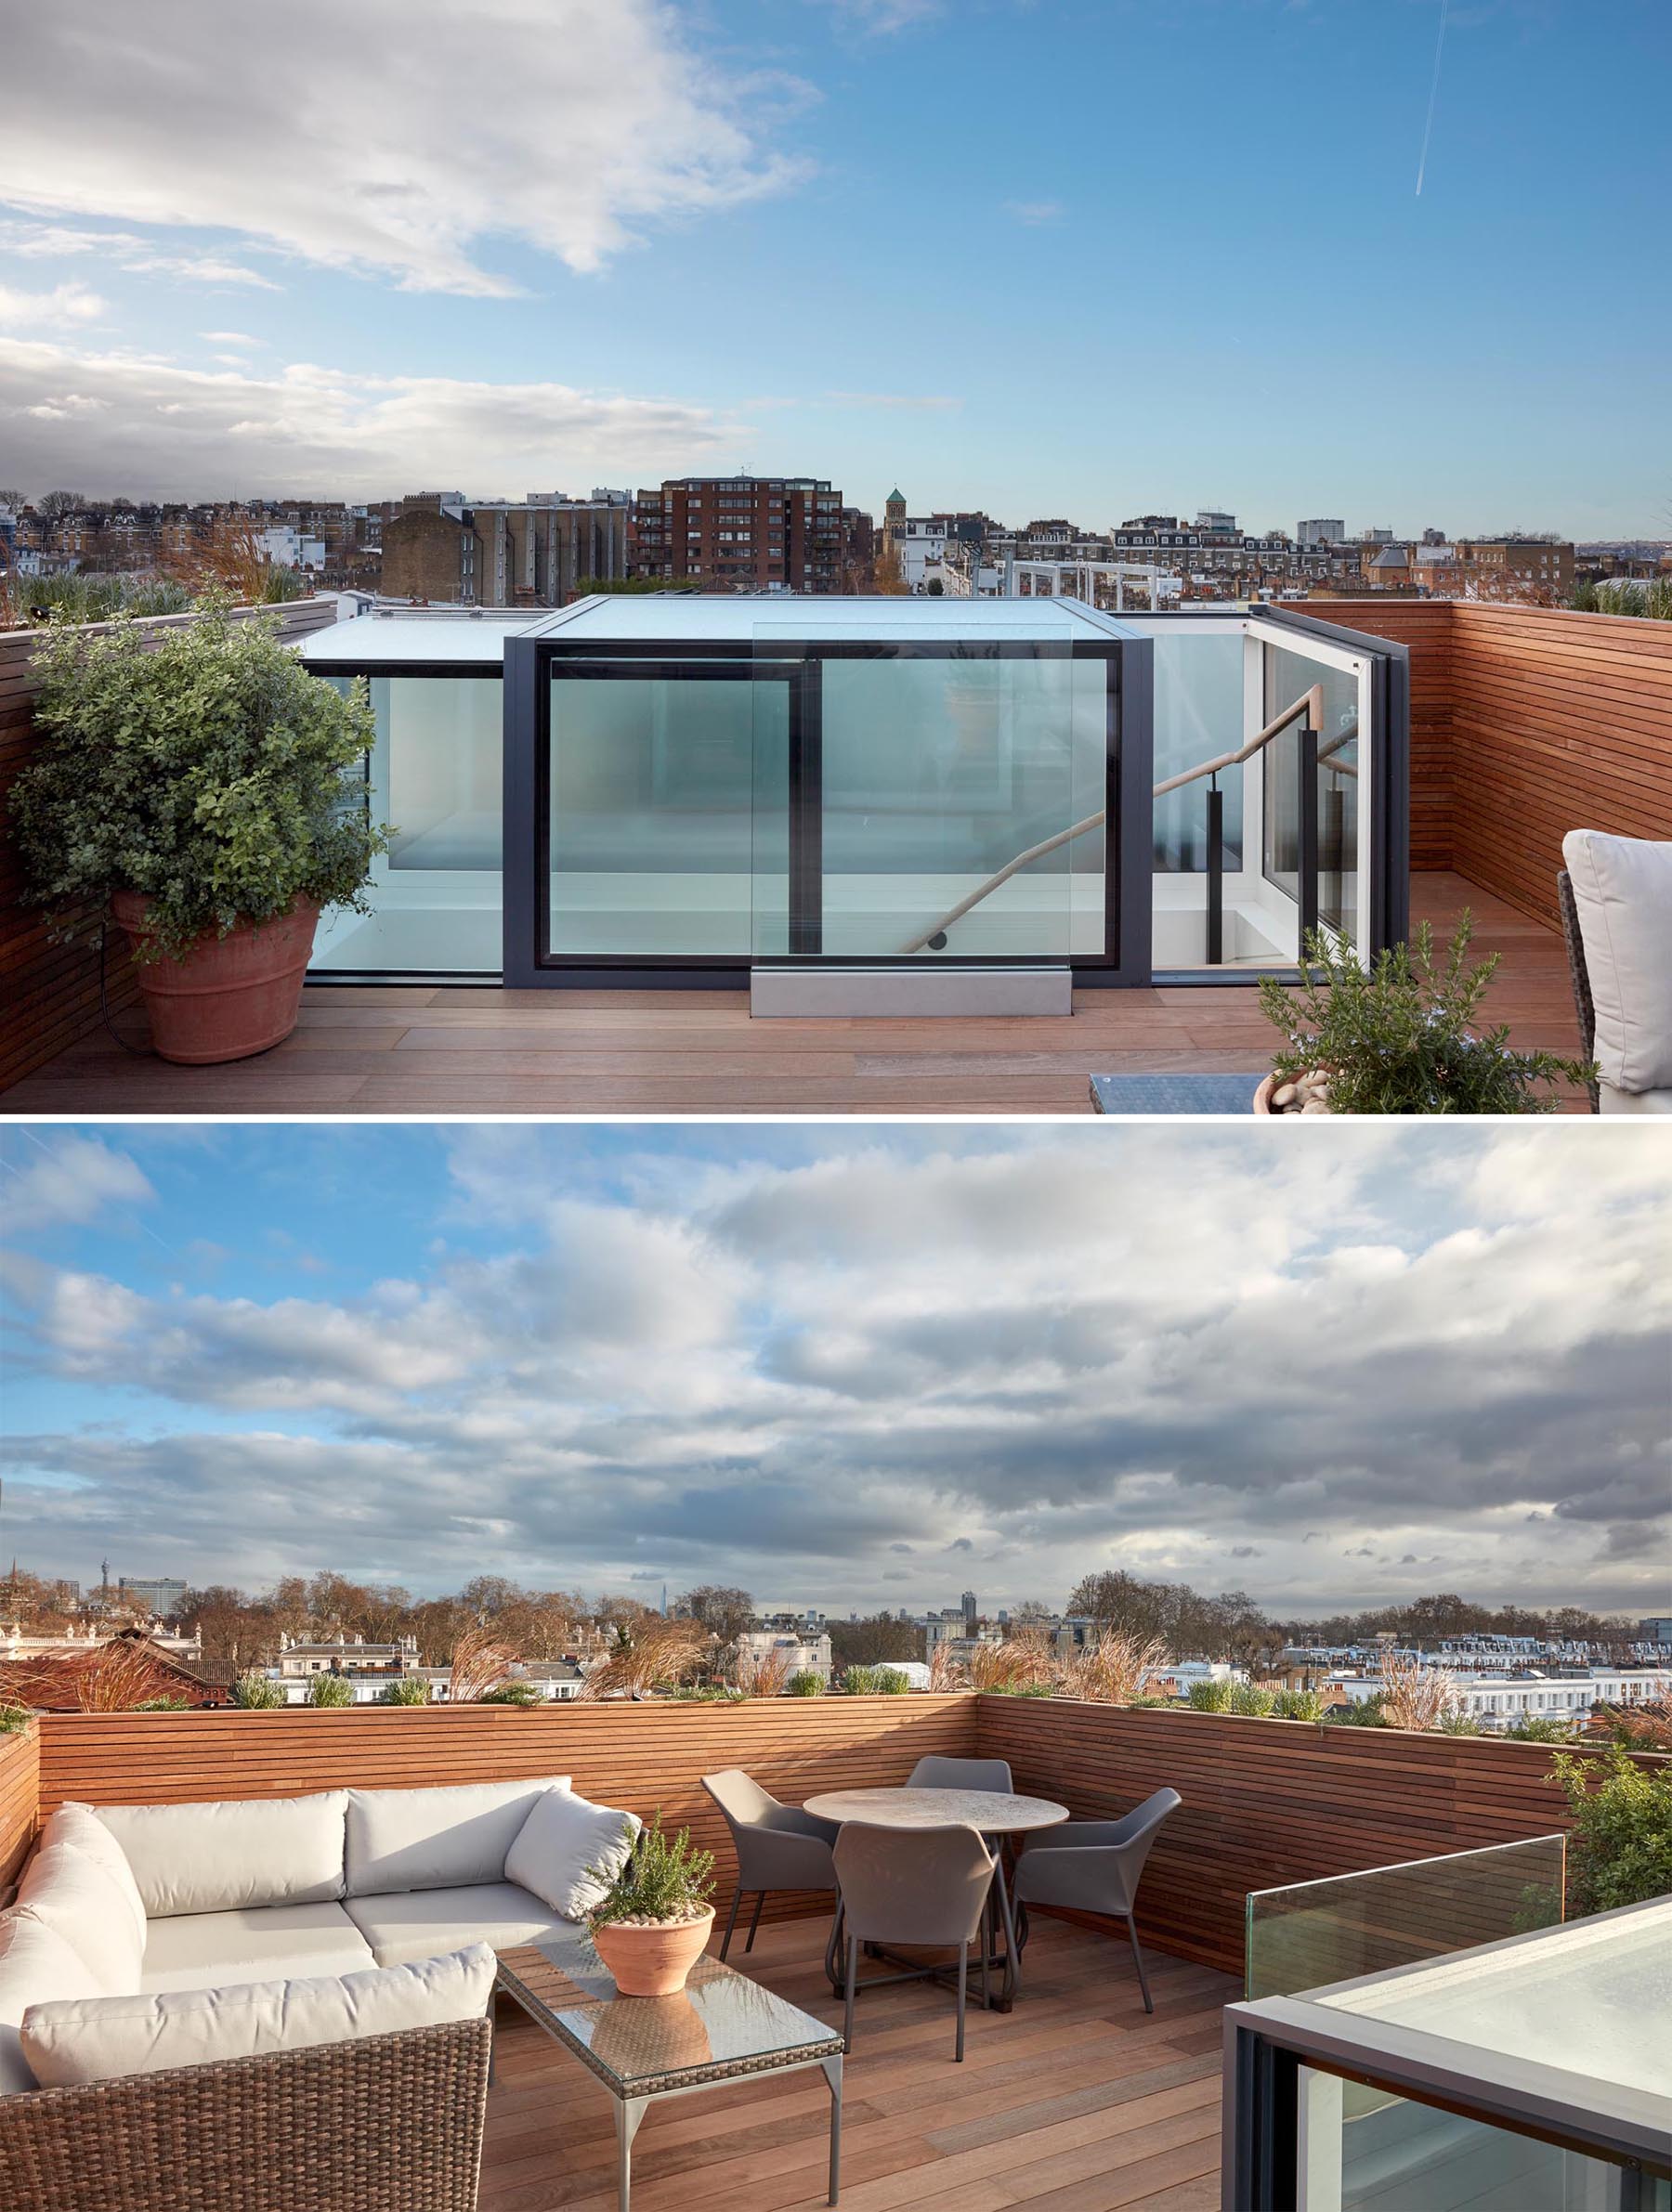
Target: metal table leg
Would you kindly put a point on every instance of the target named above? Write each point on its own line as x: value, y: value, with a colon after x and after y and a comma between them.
x: 630, y: 2111
x: 832, y: 2074
x: 1012, y: 1986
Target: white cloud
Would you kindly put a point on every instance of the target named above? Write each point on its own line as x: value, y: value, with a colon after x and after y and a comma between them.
x: 241, y: 339
x: 159, y: 429
x: 63, y: 304
x: 1164, y: 1348
x: 885, y: 16
x: 1034, y: 211
x: 69, y: 1179
x: 51, y: 242
x: 382, y: 137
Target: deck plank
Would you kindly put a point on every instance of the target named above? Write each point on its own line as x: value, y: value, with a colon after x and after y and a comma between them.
x: 441, y: 1049
x: 1075, y: 2099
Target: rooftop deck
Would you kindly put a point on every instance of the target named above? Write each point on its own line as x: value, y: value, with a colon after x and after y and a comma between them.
x: 1076, y: 2101
x: 421, y: 1049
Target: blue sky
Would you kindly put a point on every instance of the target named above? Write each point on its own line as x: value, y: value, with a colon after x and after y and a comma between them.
x: 845, y: 1367
x: 1082, y: 256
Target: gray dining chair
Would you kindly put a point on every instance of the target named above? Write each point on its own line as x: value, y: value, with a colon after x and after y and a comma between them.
x: 1095, y: 1865
x: 925, y: 1887
x: 778, y: 1847
x: 935, y: 1773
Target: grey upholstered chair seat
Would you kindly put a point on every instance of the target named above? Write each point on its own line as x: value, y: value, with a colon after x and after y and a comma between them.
x: 934, y: 1772
x: 925, y: 1887
x: 1095, y: 1865
x: 778, y: 1847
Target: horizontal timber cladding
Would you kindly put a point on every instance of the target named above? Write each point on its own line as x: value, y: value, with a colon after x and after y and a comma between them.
x: 1268, y: 1802
x: 1560, y: 722
x: 20, y: 1799
x: 641, y: 1757
x: 49, y: 990
x: 1527, y: 722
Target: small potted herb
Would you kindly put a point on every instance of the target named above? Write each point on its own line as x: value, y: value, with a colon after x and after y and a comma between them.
x: 655, y: 1917
x: 1400, y: 1037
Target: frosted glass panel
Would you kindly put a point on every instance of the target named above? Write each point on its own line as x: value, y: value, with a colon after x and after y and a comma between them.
x: 436, y: 772
x: 1198, y: 711
x: 939, y: 771
x: 436, y: 777
x: 656, y: 785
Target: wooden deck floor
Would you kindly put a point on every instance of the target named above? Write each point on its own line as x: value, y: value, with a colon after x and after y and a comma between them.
x: 1075, y: 2102
x: 411, y: 1050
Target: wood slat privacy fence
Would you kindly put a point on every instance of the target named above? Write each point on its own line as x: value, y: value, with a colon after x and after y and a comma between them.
x: 1266, y: 1802
x: 20, y: 1799
x: 49, y: 992
x: 1526, y: 724
x: 638, y: 1756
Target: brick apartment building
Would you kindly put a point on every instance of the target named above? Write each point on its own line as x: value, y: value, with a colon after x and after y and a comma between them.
x: 492, y: 553
x: 745, y: 533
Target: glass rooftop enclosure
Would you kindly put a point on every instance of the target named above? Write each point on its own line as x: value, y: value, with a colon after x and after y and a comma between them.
x: 682, y: 788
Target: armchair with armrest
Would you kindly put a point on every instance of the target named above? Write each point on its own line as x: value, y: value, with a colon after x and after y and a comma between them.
x: 1095, y: 1865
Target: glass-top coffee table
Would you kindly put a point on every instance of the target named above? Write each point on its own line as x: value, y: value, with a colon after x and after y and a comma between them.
x: 722, y: 2027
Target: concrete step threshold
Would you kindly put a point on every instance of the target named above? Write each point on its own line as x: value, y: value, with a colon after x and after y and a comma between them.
x: 914, y: 991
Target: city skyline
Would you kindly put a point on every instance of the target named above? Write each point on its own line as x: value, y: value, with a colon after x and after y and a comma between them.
x: 608, y: 1358
x: 1033, y: 258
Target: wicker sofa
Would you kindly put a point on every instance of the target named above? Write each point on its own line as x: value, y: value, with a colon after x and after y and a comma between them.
x: 276, y: 2004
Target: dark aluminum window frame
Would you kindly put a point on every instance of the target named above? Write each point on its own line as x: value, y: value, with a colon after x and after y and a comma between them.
x: 467, y: 979
x: 530, y: 663
x: 1267, y: 2042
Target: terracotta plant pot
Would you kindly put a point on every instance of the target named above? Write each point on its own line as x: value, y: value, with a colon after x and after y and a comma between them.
x: 229, y: 996
x: 652, y: 1960
x: 1263, y: 1096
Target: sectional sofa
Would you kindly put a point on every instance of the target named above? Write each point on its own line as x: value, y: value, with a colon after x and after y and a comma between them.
x: 280, y: 2005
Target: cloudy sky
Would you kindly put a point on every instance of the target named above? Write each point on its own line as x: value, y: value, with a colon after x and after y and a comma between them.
x: 1082, y: 256
x: 846, y: 1368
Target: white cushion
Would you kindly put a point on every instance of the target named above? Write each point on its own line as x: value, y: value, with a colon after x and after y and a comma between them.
x: 231, y: 1853
x: 36, y: 1964
x: 103, y: 2038
x: 80, y: 1826
x: 418, y: 1924
x: 1622, y: 891
x: 1610, y: 1101
x: 82, y: 1900
x: 436, y: 1839
x: 194, y: 1950
x: 563, y: 1839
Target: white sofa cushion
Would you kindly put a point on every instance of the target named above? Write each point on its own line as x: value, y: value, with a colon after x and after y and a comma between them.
x: 436, y: 1839
x: 81, y: 1827
x: 1610, y: 1101
x: 418, y: 1924
x: 1622, y: 891
x: 72, y: 1893
x: 563, y: 1839
x: 226, y: 1853
x: 36, y: 1963
x: 101, y: 2039
x: 195, y: 1950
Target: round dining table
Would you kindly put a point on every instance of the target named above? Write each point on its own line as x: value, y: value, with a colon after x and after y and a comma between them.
x: 995, y: 1813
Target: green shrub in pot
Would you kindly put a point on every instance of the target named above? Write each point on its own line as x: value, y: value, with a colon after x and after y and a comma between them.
x: 1404, y: 1037
x: 201, y: 786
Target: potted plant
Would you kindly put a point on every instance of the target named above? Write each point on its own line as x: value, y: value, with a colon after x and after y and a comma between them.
x: 209, y: 793
x: 1400, y: 1037
x: 654, y: 1919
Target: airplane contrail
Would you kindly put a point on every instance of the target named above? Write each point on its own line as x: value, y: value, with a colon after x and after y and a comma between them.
x: 1433, y: 88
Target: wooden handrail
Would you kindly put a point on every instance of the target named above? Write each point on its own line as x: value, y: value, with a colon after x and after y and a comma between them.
x: 1309, y: 705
